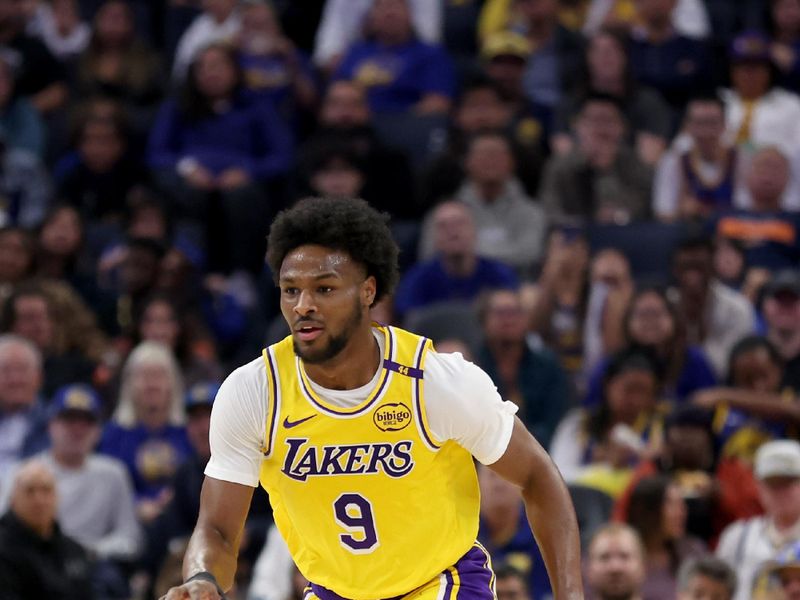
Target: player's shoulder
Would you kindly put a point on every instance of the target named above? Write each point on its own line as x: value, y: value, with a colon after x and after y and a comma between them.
x: 451, y: 371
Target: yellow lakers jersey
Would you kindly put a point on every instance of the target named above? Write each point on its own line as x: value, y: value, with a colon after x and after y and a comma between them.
x: 370, y: 504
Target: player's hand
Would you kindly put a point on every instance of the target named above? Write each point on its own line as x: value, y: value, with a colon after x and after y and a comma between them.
x: 194, y: 590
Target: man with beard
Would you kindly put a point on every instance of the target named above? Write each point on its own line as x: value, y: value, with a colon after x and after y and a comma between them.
x: 364, y: 437
x: 615, y: 568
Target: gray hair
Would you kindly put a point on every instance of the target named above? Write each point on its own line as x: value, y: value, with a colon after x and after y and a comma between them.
x: 707, y: 566
x: 9, y: 340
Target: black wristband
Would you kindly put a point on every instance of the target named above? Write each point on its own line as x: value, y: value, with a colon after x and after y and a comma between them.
x: 209, y: 577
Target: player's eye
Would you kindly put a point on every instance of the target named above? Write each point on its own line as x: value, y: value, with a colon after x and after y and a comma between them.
x: 324, y: 289
x: 289, y: 291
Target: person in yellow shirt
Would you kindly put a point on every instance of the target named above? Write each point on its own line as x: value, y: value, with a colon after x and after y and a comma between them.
x: 364, y: 437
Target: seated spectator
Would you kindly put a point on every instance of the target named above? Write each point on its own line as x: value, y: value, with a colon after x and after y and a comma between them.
x: 716, y: 317
x: 17, y: 258
x: 753, y: 408
x: 504, y: 534
x: 98, y: 176
x: 746, y: 544
x: 399, y: 72
x: 24, y: 128
x: 785, y: 568
x: 216, y: 150
x: 652, y: 322
x: 706, y: 577
x: 481, y: 107
x: 58, y: 24
x: 30, y: 313
x: 693, y: 183
x: 662, y: 58
x: 785, y: 47
x: 758, y: 113
x: 37, y: 560
x: 336, y: 172
x: 457, y: 272
x: 40, y: 76
x: 273, y: 68
x: 601, y: 180
x: 22, y: 414
x: 510, y: 583
x: 25, y: 184
x: 146, y: 431
x: 510, y: 226
x: 220, y: 22
x: 615, y: 567
x: 770, y: 235
x: 657, y: 511
x: 601, y: 447
x: 781, y: 310
x: 531, y: 378
x: 717, y: 490
x: 119, y: 64
x: 606, y: 70
x: 345, y: 120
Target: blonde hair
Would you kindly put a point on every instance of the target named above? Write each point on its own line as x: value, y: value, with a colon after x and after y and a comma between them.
x: 149, y: 353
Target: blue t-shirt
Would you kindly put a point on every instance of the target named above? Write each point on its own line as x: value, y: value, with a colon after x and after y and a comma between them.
x: 271, y: 76
x: 152, y: 457
x: 397, y: 77
x: 428, y: 283
x: 771, y: 240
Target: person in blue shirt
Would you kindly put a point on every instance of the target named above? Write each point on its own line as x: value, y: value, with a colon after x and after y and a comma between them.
x: 399, y: 72
x: 456, y: 273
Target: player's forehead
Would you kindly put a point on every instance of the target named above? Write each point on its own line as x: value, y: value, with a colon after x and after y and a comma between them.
x: 312, y: 261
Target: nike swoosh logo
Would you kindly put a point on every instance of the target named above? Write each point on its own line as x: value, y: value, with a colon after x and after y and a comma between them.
x: 289, y: 424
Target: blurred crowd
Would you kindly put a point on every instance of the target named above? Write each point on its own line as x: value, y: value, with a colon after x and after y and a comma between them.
x: 597, y: 201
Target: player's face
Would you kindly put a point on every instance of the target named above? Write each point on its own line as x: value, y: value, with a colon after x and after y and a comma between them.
x: 325, y: 299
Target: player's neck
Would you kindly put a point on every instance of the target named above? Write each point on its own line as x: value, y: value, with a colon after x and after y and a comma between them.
x: 353, y: 367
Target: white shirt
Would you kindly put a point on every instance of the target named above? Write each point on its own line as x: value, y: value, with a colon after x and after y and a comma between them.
x: 203, y: 31
x: 342, y: 22
x: 730, y: 318
x: 272, y: 573
x: 461, y: 401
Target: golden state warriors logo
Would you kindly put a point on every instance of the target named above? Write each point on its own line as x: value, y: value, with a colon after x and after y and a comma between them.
x: 392, y: 417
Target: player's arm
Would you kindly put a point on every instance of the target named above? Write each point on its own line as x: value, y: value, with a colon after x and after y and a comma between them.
x: 214, y: 545
x: 549, y: 508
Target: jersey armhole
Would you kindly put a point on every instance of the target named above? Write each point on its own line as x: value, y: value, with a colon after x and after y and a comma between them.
x: 273, y: 402
x: 418, y: 387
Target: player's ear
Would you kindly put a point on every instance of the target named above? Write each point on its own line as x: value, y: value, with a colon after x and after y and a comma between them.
x: 369, y: 290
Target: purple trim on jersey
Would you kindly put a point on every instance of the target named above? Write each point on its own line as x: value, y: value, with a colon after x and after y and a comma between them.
x: 417, y: 391
x: 402, y: 369
x: 274, y: 395
x: 375, y: 397
x: 448, y: 588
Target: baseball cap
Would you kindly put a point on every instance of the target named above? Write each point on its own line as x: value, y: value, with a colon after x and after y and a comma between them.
x: 201, y: 394
x: 779, y: 458
x: 75, y: 398
x: 506, y: 43
x: 785, y: 280
x: 750, y: 46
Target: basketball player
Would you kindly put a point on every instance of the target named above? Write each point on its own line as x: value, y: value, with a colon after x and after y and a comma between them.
x: 364, y: 437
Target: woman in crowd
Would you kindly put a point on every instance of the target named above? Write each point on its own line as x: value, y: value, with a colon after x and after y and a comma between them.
x: 21, y: 124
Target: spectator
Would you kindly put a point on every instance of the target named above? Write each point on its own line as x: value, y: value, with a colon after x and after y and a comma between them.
x: 657, y: 511
x: 119, y: 64
x: 40, y: 75
x: 693, y: 183
x: 36, y: 559
x: 220, y: 22
x: 58, y: 24
x: 25, y: 183
x: 17, y: 256
x: 22, y: 415
x: 272, y: 66
x: 716, y: 317
x: 146, y: 431
x: 399, y: 72
x: 216, y: 150
x: 510, y: 226
x: 601, y: 180
x: 615, y: 568
x: 457, y: 272
x: 24, y: 129
x: 503, y: 533
x: 746, y: 544
x: 675, y: 65
x: 706, y: 577
x: 653, y: 322
x: 689, y: 17
x: 785, y: 568
x: 786, y: 42
x: 345, y: 120
x: 336, y: 172
x: 531, y: 378
x: 600, y: 447
x: 30, y: 313
x: 607, y: 71
x: 98, y: 176
x: 769, y: 234
x: 510, y: 583
x: 717, y: 491
x: 781, y: 309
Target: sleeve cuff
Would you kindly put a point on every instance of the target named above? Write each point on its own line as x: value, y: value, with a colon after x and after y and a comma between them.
x: 231, y: 476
